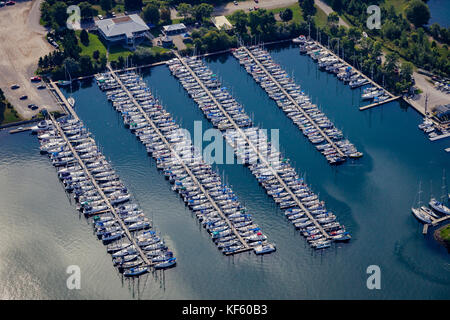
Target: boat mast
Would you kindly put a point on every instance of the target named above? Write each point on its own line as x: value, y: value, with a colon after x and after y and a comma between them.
x: 444, y: 187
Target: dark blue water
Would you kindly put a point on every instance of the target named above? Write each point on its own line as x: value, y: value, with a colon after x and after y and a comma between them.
x: 440, y: 12
x: 371, y: 196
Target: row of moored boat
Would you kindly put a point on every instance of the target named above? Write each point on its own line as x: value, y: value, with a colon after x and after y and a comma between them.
x: 215, y: 204
x: 273, y: 171
x: 103, y: 198
x: 297, y: 105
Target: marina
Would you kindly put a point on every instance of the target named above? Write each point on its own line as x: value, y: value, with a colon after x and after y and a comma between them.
x: 280, y: 181
x: 101, y: 195
x: 372, y: 199
x: 313, y: 123
x: 214, y: 204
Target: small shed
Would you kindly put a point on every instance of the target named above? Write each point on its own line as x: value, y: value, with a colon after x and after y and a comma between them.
x: 173, y: 29
x: 221, y: 22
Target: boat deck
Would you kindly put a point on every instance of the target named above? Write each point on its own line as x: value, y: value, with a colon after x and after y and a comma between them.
x: 304, y: 113
x: 252, y: 146
x: 185, y: 167
x: 100, y: 191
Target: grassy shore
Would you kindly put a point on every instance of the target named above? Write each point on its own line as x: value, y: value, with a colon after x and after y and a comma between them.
x: 442, y: 235
x: 9, y: 115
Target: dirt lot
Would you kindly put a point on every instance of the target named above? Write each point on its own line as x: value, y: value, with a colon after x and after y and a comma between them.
x: 22, y: 43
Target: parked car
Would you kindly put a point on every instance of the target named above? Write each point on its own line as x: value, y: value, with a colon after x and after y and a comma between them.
x: 10, y: 3
x: 256, y: 1
x: 15, y: 86
x: 41, y: 87
x: 35, y: 79
x: 34, y: 107
x: 100, y: 17
x: 24, y: 97
x: 2, y: 3
x: 235, y: 3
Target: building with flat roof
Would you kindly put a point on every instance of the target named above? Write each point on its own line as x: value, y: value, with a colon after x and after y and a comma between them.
x: 221, y: 22
x: 173, y: 29
x: 125, y: 28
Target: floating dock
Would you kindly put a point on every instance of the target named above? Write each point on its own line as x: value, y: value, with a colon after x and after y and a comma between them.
x: 376, y: 104
x: 18, y: 130
x: 334, y: 146
x: 111, y: 208
x: 186, y: 168
x: 261, y: 158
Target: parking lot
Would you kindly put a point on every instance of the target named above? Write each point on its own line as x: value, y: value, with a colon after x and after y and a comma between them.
x: 22, y: 43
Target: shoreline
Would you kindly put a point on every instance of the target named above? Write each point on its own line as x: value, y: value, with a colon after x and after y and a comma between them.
x: 438, y: 238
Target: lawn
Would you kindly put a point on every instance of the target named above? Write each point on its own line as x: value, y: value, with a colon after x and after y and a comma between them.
x: 445, y: 233
x: 399, y: 5
x: 296, y: 11
x: 94, y: 44
x: 8, y: 115
x: 320, y: 18
x: 115, y: 51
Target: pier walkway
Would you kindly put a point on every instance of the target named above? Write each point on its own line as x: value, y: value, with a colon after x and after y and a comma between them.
x: 100, y: 191
x: 255, y: 149
x: 185, y: 167
x: 304, y: 113
x: 376, y: 104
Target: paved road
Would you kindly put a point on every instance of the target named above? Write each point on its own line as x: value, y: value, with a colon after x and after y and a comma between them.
x: 22, y: 42
x: 327, y: 9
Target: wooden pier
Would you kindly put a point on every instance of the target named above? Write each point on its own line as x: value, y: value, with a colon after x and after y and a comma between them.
x: 305, y: 114
x: 54, y: 88
x: 100, y: 191
x: 437, y: 221
x: 185, y: 167
x: 376, y: 104
x: 20, y: 129
x: 425, y: 228
x: 255, y: 149
x: 359, y: 72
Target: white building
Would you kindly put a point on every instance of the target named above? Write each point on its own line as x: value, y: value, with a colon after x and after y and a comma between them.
x: 126, y: 28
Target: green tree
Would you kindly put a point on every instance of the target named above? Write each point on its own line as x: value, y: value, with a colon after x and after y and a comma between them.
x: 184, y: 10
x: 165, y: 15
x: 333, y: 18
x: 417, y: 12
x: 286, y: 15
x: 240, y: 20
x: 59, y: 14
x: 406, y: 71
x: 106, y: 5
x: 132, y: 5
x: 86, y: 10
x: 308, y: 7
x: 96, y: 54
x: 202, y: 11
x: 151, y: 14
x: 84, y: 37
x: 86, y: 67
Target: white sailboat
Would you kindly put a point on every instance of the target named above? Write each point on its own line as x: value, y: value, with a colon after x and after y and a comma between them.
x: 439, y: 206
x: 420, y: 215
